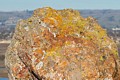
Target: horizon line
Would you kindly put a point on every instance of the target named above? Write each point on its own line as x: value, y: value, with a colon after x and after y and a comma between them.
x: 53, y: 8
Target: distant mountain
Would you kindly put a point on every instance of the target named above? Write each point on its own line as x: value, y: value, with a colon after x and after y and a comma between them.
x: 17, y: 14
x: 8, y: 21
x: 107, y: 18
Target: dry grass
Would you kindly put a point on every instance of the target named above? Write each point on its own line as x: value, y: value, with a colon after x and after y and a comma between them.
x: 3, y: 71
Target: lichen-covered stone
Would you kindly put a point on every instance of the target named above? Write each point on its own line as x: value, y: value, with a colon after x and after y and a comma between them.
x: 61, y: 45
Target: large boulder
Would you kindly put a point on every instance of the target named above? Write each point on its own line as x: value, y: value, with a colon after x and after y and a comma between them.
x: 61, y: 45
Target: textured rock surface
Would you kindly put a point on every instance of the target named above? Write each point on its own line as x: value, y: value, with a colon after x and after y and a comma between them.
x: 61, y: 45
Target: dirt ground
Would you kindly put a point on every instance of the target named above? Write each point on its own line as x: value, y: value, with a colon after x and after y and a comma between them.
x: 3, y: 71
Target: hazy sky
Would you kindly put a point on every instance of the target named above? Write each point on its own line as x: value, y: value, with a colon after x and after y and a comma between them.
x: 16, y: 5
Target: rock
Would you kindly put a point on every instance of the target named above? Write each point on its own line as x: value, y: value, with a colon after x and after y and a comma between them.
x: 61, y: 45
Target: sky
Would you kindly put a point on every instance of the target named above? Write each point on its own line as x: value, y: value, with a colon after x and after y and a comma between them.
x: 19, y: 5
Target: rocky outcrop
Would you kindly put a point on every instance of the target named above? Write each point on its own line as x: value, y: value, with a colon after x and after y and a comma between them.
x: 61, y: 45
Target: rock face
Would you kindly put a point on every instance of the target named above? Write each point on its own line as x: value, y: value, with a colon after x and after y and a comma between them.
x: 61, y: 45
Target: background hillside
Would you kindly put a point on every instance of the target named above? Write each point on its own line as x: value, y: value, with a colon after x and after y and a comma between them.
x: 107, y: 18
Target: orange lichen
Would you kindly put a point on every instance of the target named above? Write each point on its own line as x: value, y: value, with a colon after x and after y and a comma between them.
x: 63, y: 64
x: 39, y: 51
